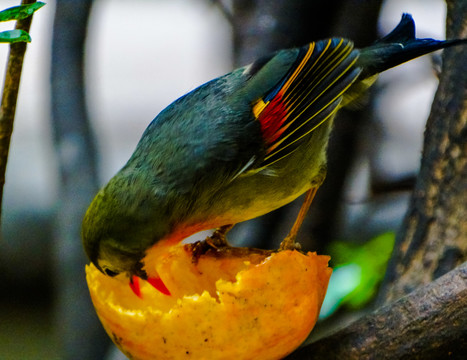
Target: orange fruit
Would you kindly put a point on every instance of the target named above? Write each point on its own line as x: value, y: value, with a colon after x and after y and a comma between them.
x: 233, y: 304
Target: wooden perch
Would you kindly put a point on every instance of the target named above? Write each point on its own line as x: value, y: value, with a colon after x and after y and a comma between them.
x: 429, y: 323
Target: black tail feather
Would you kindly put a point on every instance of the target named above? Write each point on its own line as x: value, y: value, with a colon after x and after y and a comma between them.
x: 404, y: 31
x: 399, y: 46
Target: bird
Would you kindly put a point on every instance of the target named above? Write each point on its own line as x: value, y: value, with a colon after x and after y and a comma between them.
x: 235, y: 148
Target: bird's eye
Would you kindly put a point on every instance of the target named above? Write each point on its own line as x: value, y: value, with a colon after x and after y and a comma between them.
x: 110, y: 273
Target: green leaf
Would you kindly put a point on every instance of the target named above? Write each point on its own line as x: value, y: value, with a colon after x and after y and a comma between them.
x: 20, y: 12
x: 358, y: 271
x: 372, y: 257
x: 14, y: 36
x: 344, y: 280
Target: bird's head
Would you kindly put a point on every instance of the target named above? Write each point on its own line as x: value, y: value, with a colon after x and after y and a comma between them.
x: 106, y: 243
x: 106, y: 255
x: 119, y: 227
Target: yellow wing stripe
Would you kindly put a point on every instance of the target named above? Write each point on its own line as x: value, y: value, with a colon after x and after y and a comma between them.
x: 312, y: 67
x: 331, y: 66
x: 260, y: 105
x: 271, y: 148
x: 276, y: 144
x: 297, y: 71
x: 328, y: 68
x: 331, y: 114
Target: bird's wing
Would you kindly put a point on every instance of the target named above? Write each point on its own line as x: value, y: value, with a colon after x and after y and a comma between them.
x: 200, y: 140
x: 308, y: 95
x: 246, y: 120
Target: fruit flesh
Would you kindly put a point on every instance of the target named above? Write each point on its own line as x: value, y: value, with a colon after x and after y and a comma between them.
x: 248, y: 305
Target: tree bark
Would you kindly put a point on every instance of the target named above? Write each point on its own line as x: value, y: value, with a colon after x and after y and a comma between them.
x: 433, y: 238
x: 429, y: 323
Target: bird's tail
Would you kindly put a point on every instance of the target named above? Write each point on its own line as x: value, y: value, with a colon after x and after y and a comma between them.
x: 399, y: 46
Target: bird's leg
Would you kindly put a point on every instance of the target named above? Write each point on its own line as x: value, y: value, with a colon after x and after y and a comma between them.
x: 289, y: 242
x: 217, y: 241
x: 218, y: 238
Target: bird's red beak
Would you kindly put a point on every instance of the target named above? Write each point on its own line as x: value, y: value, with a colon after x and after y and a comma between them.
x: 134, y: 285
x: 159, y: 285
x: 156, y: 282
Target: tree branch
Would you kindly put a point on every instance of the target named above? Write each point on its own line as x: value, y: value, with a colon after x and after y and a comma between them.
x: 429, y: 323
x: 10, y: 95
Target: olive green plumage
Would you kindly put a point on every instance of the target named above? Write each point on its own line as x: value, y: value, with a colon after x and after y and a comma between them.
x: 236, y: 147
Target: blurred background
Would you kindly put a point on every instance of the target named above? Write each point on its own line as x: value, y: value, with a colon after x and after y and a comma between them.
x: 138, y: 56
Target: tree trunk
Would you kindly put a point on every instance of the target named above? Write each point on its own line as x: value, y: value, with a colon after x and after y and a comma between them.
x: 433, y: 238
x: 79, y: 330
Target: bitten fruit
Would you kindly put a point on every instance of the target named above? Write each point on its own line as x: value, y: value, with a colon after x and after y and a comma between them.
x: 233, y: 304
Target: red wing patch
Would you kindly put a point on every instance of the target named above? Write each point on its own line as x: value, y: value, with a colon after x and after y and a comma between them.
x: 272, y: 119
x: 308, y: 95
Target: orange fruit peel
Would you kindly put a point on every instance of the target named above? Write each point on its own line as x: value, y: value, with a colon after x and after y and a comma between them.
x: 227, y: 305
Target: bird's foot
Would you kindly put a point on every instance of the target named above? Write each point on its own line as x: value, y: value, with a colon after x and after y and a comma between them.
x: 214, y: 243
x: 289, y: 243
x: 204, y: 247
x: 218, y: 239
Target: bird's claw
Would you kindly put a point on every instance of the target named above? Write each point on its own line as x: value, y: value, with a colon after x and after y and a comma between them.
x: 289, y: 243
x: 218, y: 238
x: 200, y: 248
